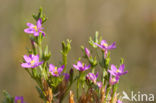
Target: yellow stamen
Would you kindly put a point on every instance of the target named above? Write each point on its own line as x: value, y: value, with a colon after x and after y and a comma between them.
x: 35, y: 27
x: 113, y: 79
x: 55, y: 68
x: 32, y: 62
x: 118, y: 71
x: 105, y: 44
x: 55, y: 72
x: 19, y: 101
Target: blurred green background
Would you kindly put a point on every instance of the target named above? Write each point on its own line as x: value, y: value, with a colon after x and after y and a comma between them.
x: 131, y: 23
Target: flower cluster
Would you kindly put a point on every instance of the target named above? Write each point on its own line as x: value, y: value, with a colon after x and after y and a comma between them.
x: 95, y: 78
x: 55, y: 71
x: 105, y: 47
x: 116, y: 73
x: 56, y: 74
x: 81, y: 66
x: 31, y: 61
x: 35, y: 29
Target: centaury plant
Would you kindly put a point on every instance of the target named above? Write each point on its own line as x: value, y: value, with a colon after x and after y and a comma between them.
x: 95, y: 81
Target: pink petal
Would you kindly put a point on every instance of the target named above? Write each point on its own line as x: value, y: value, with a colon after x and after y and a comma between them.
x: 99, y: 45
x: 99, y: 84
x: 40, y: 63
x: 36, y: 58
x: 97, y: 74
x: 43, y: 33
x: 113, y: 46
x: 25, y: 65
x: 30, y: 25
x: 39, y: 23
x: 36, y: 33
x: 79, y: 64
x: 112, y: 72
x: 29, y: 30
x: 87, y: 67
x: 122, y: 67
x: 76, y: 67
x: 51, y: 67
x: 60, y: 69
x: 27, y: 58
x: 103, y: 42
x: 113, y: 68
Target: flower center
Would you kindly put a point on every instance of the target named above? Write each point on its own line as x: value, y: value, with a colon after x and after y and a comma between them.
x: 19, y: 101
x: 94, y: 81
x: 105, y: 44
x: 35, y: 27
x: 56, y: 72
x: 113, y: 80
x: 82, y: 66
x: 118, y: 71
x: 32, y: 62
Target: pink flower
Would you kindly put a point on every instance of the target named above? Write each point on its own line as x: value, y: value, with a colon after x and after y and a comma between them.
x: 119, y: 101
x: 55, y: 71
x: 117, y: 72
x: 81, y: 67
x: 93, y: 78
x: 35, y: 29
x: 17, y: 99
x: 66, y: 76
x: 31, y: 61
x: 105, y: 47
x: 113, y: 79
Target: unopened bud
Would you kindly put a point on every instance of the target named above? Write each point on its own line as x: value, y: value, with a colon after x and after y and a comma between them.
x: 87, y: 52
x: 47, y: 54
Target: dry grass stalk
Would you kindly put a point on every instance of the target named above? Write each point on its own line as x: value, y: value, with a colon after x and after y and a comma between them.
x: 115, y: 99
x: 48, y: 91
x: 102, y: 94
x: 71, y: 97
x: 83, y: 98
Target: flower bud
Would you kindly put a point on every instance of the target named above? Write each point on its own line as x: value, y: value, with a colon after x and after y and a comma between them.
x: 66, y: 76
x: 68, y: 45
x: 87, y: 52
x: 47, y: 54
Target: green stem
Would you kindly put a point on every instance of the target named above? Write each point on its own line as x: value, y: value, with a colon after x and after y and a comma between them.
x: 98, y: 57
x: 65, y: 61
x: 114, y: 91
x: 40, y: 44
x: 40, y: 50
x: 107, y: 93
x: 77, y: 89
x: 93, y: 70
x: 103, y: 75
